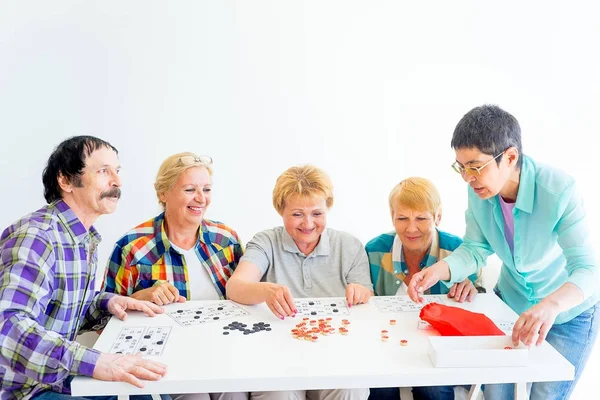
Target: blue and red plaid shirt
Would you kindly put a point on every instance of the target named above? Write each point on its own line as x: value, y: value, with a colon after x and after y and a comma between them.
x: 144, y: 257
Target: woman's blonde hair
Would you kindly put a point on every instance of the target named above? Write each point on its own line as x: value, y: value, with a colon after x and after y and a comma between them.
x: 418, y: 194
x: 171, y: 169
x: 304, y: 180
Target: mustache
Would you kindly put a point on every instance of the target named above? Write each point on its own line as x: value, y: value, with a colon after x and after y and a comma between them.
x: 114, y: 192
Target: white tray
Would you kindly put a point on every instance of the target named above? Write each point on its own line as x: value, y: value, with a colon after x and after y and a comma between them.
x: 476, y: 351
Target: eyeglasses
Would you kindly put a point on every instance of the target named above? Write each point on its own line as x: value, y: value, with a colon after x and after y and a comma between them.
x: 472, y: 171
x: 191, y: 160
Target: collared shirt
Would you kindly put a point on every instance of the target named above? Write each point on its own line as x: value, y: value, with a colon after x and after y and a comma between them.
x: 551, y: 241
x: 144, y: 257
x: 48, y: 265
x: 388, y: 271
x: 338, y: 259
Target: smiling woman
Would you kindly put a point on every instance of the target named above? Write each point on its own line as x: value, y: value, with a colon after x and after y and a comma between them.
x: 414, y: 245
x: 303, y: 258
x: 179, y: 254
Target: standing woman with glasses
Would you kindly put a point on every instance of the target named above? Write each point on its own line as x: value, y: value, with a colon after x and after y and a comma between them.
x: 532, y: 216
x: 179, y: 254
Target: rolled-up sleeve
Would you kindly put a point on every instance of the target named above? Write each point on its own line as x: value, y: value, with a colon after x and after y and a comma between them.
x: 471, y: 254
x: 574, y: 238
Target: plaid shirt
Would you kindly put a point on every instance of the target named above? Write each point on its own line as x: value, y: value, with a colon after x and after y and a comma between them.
x: 388, y: 274
x: 144, y: 257
x: 47, y: 271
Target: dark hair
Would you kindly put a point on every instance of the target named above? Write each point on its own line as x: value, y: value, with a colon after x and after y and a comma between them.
x: 68, y: 159
x: 490, y: 129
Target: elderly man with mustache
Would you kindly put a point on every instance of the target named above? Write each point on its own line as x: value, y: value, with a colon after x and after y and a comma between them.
x: 48, y: 265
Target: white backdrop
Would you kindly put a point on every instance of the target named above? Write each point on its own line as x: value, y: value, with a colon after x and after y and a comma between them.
x: 369, y: 91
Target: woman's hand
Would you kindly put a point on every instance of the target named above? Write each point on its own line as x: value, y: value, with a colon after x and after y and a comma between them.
x: 536, y: 321
x: 357, y: 294
x: 462, y: 291
x: 161, y: 294
x: 280, y: 301
x: 426, y: 278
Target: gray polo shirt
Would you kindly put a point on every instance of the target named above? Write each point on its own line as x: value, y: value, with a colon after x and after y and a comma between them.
x: 338, y: 259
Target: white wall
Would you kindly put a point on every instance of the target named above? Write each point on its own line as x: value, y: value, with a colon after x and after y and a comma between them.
x: 369, y: 91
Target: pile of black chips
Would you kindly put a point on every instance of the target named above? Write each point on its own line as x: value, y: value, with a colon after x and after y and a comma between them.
x: 238, y: 326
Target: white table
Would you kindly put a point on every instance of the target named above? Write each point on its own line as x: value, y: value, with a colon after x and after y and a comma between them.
x: 201, y: 359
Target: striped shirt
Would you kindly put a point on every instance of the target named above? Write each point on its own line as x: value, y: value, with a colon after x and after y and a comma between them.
x: 144, y: 257
x: 388, y: 274
x: 48, y: 263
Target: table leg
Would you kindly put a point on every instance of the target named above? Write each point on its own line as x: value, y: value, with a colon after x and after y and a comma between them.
x: 123, y: 397
x: 521, y: 391
x: 474, y: 391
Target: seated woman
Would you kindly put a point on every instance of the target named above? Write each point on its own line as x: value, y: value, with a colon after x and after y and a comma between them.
x: 416, y: 243
x: 179, y: 254
x: 302, y: 258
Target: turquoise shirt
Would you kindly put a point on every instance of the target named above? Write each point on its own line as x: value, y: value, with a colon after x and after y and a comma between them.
x: 551, y: 241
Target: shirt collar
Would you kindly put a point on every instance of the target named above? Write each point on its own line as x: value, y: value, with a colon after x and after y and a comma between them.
x: 526, y: 191
x: 434, y: 249
x: 525, y: 196
x: 73, y: 226
x: 162, y: 240
x: 203, y: 232
x: 430, y: 257
x: 322, y: 248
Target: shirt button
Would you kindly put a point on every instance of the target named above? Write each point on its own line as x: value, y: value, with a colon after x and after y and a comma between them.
x: 397, y: 282
x: 517, y: 237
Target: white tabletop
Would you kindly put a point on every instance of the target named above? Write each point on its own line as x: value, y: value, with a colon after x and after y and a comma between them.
x: 201, y: 359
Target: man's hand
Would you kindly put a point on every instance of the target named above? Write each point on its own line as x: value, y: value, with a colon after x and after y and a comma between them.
x: 130, y: 369
x: 462, y: 291
x: 357, y: 294
x: 117, y: 306
x: 280, y: 301
x: 161, y: 294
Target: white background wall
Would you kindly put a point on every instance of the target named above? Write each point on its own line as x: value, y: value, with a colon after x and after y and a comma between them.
x: 369, y: 91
